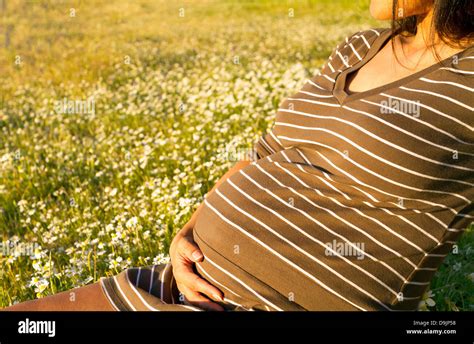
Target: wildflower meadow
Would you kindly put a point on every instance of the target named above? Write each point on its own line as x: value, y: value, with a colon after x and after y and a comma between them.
x: 116, y: 118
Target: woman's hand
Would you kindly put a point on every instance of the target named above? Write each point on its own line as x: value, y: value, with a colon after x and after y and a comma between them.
x: 184, y: 254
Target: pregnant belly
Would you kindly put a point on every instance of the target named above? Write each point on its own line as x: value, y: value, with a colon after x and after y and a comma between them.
x: 265, y: 242
x: 235, y: 246
x: 257, y: 248
x: 250, y: 279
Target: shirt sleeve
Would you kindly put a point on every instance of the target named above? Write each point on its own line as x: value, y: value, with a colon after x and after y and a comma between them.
x: 334, y: 61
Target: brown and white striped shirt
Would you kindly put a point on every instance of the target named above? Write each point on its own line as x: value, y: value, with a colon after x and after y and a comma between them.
x: 354, y: 200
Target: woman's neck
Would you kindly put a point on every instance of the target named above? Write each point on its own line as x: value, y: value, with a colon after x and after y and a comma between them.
x: 426, y: 39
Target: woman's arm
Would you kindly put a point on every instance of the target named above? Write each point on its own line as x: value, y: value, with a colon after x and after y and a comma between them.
x: 185, y: 253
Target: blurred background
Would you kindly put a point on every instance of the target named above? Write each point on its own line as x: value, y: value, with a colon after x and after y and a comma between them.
x: 116, y: 117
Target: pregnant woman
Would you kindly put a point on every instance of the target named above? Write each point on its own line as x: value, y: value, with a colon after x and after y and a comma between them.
x: 353, y: 199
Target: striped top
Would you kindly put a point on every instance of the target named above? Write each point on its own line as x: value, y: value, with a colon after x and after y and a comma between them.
x: 353, y: 200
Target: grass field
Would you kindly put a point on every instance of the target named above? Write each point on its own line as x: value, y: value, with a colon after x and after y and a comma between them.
x: 166, y: 89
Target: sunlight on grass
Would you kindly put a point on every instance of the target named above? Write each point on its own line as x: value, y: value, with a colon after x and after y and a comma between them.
x: 96, y: 192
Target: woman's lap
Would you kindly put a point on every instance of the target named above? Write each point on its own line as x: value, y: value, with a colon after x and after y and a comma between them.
x: 149, y: 288
x: 88, y: 298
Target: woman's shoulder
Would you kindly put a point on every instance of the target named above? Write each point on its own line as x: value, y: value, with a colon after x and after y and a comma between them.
x: 370, y: 35
x: 352, y: 49
x: 464, y: 60
x: 459, y: 67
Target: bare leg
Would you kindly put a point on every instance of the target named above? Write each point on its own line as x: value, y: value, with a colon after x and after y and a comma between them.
x: 88, y: 298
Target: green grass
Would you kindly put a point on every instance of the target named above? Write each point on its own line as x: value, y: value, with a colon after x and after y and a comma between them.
x: 99, y: 192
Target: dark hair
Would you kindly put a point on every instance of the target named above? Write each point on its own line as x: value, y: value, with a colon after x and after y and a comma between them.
x: 453, y: 22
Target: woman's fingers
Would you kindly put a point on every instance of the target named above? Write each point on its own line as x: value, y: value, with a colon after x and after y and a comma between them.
x: 185, y: 275
x: 198, y: 291
x: 199, y: 300
x: 188, y: 249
